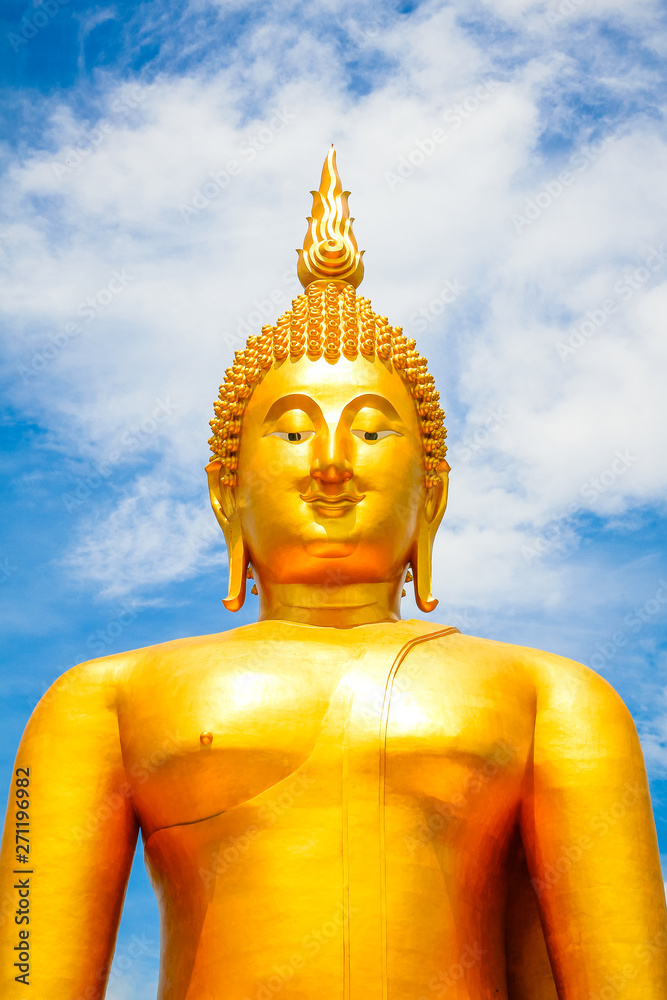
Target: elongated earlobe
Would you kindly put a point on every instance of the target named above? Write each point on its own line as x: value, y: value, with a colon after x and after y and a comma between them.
x: 421, y: 556
x: 224, y: 507
x: 238, y: 568
x: 420, y: 561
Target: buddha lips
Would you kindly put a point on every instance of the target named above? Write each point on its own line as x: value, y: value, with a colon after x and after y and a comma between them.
x: 328, y: 503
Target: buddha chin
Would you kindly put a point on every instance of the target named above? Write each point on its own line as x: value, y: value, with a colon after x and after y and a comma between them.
x: 327, y: 546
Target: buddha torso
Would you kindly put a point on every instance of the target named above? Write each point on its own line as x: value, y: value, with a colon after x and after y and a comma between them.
x: 347, y: 832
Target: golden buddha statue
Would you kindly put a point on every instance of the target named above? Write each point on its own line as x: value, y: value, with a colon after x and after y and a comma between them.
x: 335, y: 802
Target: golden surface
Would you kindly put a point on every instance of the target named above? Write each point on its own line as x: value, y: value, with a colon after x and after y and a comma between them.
x: 330, y: 250
x: 386, y: 809
x: 326, y: 322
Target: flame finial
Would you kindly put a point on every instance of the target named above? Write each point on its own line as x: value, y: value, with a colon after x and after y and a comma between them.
x: 330, y: 250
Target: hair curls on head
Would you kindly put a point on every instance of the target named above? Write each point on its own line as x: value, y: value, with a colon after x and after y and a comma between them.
x: 327, y: 321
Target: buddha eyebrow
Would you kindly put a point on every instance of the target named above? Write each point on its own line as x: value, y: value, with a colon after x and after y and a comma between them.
x: 371, y: 399
x: 293, y: 401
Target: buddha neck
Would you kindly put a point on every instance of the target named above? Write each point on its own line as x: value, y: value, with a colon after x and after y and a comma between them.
x: 329, y: 605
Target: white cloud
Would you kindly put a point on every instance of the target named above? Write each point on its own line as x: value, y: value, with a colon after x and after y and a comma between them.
x: 168, y: 332
x: 562, y: 13
x: 150, y: 538
x: 654, y: 742
x: 126, y: 987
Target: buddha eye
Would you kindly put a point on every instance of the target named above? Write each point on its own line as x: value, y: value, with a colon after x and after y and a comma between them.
x: 294, y: 437
x: 372, y: 436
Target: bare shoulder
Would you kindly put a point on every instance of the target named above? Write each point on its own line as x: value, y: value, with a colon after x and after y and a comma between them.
x: 561, y: 686
x: 92, y: 682
x: 566, y: 686
x: 575, y: 706
x: 82, y: 699
x: 97, y: 682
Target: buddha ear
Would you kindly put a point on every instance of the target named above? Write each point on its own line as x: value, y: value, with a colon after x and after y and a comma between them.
x: 223, y: 502
x: 435, y: 505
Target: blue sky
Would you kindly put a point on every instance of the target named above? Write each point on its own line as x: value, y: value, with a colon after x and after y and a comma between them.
x: 524, y: 250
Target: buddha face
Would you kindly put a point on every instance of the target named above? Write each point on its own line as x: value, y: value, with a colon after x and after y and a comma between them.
x: 325, y: 470
x: 330, y: 478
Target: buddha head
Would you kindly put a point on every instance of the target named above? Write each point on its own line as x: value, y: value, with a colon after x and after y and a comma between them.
x: 328, y: 474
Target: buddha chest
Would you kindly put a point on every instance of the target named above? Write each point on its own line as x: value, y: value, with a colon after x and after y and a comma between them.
x: 223, y: 722
x: 354, y: 804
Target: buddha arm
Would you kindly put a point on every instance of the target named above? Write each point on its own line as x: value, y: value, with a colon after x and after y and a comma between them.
x: 81, y: 838
x: 590, y: 841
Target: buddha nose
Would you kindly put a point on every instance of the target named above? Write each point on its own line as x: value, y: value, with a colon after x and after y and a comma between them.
x: 330, y: 466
